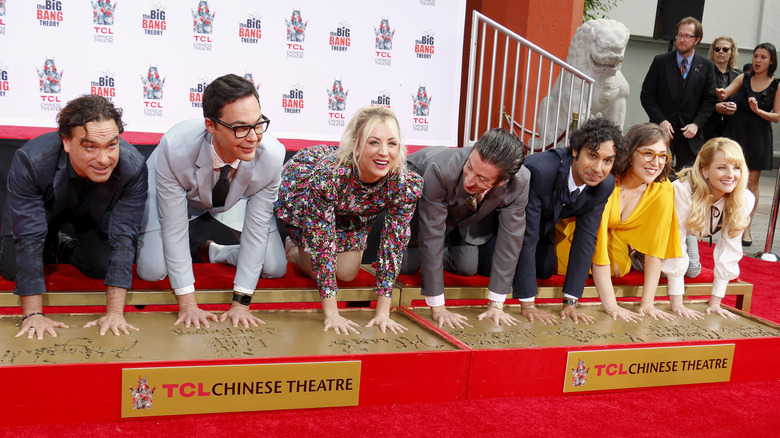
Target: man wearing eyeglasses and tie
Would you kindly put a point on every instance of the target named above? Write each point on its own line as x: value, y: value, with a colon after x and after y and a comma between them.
x: 470, y: 219
x: 225, y: 165
x: 678, y: 92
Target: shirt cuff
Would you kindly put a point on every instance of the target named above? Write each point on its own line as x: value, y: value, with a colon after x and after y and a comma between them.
x: 243, y: 290
x: 435, y: 301
x: 719, y: 287
x: 676, y: 285
x: 499, y: 298
x: 527, y: 300
x: 184, y: 290
x: 570, y: 296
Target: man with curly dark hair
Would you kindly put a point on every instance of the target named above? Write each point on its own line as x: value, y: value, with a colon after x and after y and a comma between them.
x: 83, y: 181
x: 567, y: 182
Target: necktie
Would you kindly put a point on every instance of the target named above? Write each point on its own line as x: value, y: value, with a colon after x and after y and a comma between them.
x: 572, y: 197
x: 221, y: 188
x: 473, y: 201
x: 684, y: 67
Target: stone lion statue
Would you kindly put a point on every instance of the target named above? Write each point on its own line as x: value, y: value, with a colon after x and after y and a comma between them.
x: 597, y: 49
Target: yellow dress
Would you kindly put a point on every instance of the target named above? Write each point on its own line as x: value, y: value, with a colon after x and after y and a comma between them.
x: 650, y: 229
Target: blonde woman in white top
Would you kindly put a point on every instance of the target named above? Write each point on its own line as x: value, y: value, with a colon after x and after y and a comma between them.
x: 711, y: 196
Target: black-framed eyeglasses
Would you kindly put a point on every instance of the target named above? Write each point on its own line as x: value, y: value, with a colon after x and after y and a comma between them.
x: 722, y: 49
x: 650, y: 155
x: 241, y: 131
x: 682, y: 36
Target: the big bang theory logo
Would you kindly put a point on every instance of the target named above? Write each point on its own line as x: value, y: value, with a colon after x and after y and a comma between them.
x: 339, y: 39
x: 423, y: 46
x: 250, y: 31
x: 104, y: 86
x: 4, y: 84
x: 196, y: 94
x: 153, y: 22
x: 49, y: 14
x: 292, y: 102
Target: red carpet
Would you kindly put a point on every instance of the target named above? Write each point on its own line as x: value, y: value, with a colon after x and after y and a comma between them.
x: 715, y: 410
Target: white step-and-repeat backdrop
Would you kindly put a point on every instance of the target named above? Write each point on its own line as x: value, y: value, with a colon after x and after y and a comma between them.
x: 314, y: 62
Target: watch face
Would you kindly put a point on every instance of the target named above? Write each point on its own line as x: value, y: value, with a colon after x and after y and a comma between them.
x: 242, y: 299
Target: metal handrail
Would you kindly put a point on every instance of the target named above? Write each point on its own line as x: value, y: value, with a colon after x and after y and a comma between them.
x: 538, y: 133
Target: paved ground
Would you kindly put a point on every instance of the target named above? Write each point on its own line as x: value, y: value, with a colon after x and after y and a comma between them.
x: 761, y: 220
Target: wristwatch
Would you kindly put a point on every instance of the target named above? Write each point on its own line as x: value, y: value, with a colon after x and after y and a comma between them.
x: 242, y: 299
x: 496, y: 304
x: 571, y: 301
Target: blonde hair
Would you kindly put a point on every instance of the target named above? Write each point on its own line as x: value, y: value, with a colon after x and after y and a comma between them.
x: 733, y: 53
x: 360, y: 127
x: 734, y: 218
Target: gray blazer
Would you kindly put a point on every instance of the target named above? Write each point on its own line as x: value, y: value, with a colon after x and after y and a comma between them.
x: 442, y: 208
x: 180, y: 183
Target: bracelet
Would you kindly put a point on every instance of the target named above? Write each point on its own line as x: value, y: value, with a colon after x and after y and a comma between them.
x: 526, y: 307
x: 32, y: 314
x: 27, y: 316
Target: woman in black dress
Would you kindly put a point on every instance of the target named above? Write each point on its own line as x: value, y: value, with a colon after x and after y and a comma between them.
x: 758, y: 104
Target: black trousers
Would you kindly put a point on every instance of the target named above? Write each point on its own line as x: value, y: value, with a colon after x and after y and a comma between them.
x: 85, y: 247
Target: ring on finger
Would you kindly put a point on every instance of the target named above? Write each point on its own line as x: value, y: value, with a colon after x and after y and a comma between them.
x: 31, y: 328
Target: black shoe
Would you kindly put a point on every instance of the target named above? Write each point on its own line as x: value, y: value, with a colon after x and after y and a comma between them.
x: 746, y: 242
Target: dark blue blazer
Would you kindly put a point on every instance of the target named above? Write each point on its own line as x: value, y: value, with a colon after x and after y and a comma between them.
x: 38, y: 190
x: 549, y: 177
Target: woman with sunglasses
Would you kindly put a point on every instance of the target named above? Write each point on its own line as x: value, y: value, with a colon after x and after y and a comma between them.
x: 724, y: 54
x: 711, y: 197
x: 758, y: 106
x: 639, y: 216
x: 329, y: 199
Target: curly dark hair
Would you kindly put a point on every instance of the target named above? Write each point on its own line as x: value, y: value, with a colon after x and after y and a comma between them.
x: 503, y: 150
x: 643, y: 134
x: 596, y: 131
x: 224, y: 90
x: 84, y: 109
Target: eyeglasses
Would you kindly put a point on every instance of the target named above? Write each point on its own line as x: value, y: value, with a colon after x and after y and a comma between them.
x: 722, y: 49
x: 682, y: 36
x: 241, y: 131
x: 649, y: 156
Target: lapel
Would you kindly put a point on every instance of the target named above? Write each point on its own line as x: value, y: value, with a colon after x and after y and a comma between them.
x: 672, y: 72
x: 244, y: 173
x: 561, y: 182
x: 204, y: 166
x: 60, y: 183
x: 694, y: 76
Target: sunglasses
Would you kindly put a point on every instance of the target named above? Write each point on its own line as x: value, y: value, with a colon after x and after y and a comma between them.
x: 722, y: 49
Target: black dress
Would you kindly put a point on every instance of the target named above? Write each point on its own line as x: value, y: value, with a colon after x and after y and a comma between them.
x: 748, y: 129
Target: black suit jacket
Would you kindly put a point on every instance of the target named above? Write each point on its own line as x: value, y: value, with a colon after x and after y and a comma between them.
x: 549, y: 177
x: 661, y: 101
x: 38, y: 191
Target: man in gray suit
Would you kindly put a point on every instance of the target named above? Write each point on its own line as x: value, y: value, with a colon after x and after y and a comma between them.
x: 226, y: 166
x: 470, y: 219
